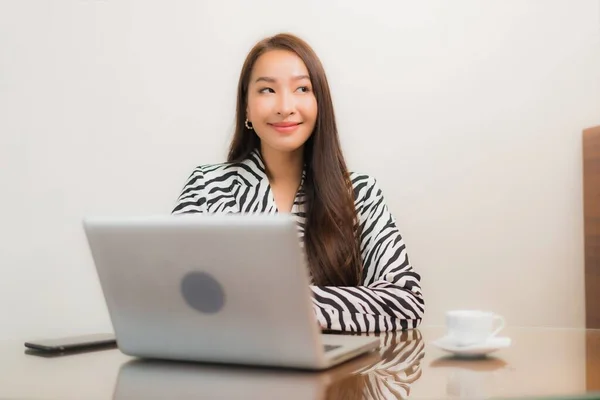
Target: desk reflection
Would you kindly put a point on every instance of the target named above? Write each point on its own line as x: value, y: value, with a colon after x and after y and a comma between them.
x: 384, y: 374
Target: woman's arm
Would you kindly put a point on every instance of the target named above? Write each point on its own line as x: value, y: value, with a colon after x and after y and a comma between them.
x: 192, y: 199
x: 390, y: 296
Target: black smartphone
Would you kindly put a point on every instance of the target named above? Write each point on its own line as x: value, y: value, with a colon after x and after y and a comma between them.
x: 72, y: 343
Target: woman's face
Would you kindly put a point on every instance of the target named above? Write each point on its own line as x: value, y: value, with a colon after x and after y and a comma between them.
x: 281, y: 104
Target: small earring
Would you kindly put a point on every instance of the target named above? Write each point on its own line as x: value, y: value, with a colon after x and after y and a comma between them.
x: 248, y: 124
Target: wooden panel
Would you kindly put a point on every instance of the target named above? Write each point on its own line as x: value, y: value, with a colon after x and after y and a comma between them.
x: 591, y: 211
x: 592, y: 364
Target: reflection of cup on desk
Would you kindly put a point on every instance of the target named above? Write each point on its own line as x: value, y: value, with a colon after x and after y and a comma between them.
x: 469, y: 379
x: 467, y: 327
x: 466, y: 384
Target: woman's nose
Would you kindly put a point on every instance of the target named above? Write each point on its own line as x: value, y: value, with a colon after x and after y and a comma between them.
x: 285, y: 104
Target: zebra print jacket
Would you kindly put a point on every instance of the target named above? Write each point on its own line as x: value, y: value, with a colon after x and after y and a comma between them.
x: 388, y: 299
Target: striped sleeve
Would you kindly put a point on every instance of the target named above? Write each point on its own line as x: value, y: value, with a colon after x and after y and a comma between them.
x: 192, y: 198
x: 390, y: 296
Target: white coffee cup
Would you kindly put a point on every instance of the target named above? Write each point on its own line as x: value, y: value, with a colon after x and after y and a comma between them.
x: 467, y: 327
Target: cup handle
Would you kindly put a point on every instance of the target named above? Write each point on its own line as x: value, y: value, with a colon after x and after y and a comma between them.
x: 500, y: 327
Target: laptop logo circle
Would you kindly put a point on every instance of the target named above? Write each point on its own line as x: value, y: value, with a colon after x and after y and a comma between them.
x: 202, y: 292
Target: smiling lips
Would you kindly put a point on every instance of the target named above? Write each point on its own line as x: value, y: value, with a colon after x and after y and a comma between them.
x: 285, y: 127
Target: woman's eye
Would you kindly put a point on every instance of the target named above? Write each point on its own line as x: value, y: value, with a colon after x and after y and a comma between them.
x: 304, y: 89
x: 266, y: 90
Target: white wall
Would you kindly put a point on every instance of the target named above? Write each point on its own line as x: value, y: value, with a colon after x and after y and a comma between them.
x: 469, y: 113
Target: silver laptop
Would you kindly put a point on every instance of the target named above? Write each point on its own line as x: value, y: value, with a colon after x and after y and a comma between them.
x: 213, y: 288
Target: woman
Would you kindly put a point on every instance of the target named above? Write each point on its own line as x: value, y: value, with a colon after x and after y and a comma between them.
x: 285, y: 157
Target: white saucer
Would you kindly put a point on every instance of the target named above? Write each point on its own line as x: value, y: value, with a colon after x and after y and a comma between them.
x: 474, y: 350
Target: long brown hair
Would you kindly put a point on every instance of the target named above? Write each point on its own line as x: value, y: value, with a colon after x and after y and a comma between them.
x: 331, y: 232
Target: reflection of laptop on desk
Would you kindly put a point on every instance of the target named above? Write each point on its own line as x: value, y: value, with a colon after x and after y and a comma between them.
x: 214, y: 288
x: 153, y: 379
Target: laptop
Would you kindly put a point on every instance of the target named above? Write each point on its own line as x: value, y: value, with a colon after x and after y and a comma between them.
x: 226, y: 288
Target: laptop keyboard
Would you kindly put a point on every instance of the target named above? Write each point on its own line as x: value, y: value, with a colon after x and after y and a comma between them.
x: 329, y: 347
